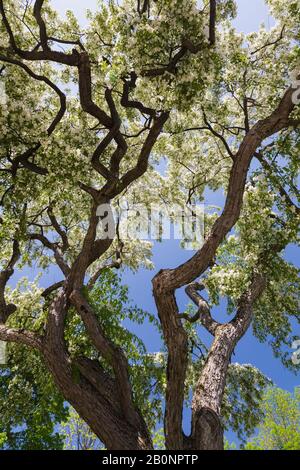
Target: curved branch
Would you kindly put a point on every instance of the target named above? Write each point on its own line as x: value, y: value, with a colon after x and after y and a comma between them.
x: 58, y: 229
x: 142, y: 163
x: 284, y: 194
x: 203, y: 314
x: 42, y: 27
x: 188, y: 271
x: 127, y: 103
x: 24, y: 157
x: 212, y: 21
x: 167, y: 281
x: 35, y: 55
x: 54, y: 248
x: 111, y: 353
x: 8, y: 309
x: 52, y: 288
x: 21, y: 337
x: 219, y: 136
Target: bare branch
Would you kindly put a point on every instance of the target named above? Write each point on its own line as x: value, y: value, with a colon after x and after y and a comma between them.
x: 24, y: 158
x: 54, y: 248
x: 42, y: 27
x: 21, y: 337
x: 110, y: 352
x: 219, y: 136
x: 271, y: 43
x: 52, y: 288
x: 58, y: 229
x: 142, y: 163
x: 203, y: 314
x: 127, y: 103
x: 212, y: 22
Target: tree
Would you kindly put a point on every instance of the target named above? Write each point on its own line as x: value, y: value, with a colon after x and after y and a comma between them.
x: 34, y: 414
x: 78, y: 435
x: 212, y: 102
x: 2, y: 439
x: 31, y: 407
x: 280, y: 429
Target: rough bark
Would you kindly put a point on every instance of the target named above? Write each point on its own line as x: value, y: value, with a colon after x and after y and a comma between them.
x: 105, y: 400
x: 90, y: 392
x: 166, y: 282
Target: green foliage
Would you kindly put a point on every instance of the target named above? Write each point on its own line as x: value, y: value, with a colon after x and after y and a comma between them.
x: 250, y: 248
x: 244, y: 390
x: 77, y: 435
x: 159, y: 440
x: 117, y: 317
x: 280, y: 428
x: 210, y: 86
x: 2, y: 439
x: 30, y: 405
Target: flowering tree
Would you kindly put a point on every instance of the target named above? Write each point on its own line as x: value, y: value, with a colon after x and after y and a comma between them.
x: 86, y: 117
x: 280, y: 428
x: 78, y: 435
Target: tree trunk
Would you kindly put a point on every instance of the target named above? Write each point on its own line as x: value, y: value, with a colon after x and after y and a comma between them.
x: 89, y: 389
x: 207, y: 430
x: 96, y: 409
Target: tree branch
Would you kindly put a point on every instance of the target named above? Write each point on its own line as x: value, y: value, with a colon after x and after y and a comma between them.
x: 212, y: 22
x: 24, y: 158
x: 284, y: 194
x: 203, y: 314
x: 54, y: 248
x: 167, y: 281
x: 114, y: 355
x: 21, y: 337
x: 35, y: 55
x: 52, y: 288
x: 42, y: 27
x: 58, y: 229
x: 8, y: 309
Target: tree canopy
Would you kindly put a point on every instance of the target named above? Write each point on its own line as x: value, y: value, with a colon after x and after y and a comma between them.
x: 280, y: 429
x: 86, y: 117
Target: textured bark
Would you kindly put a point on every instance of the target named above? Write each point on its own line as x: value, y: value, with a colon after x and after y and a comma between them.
x: 90, y: 393
x: 105, y: 400
x: 166, y: 282
x: 176, y: 340
x: 92, y: 403
x: 207, y: 432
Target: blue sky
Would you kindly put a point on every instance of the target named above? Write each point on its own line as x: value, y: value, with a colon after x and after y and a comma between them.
x: 169, y: 254
x: 251, y: 13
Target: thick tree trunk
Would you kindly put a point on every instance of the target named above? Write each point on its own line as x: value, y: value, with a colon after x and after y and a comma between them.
x: 176, y: 340
x: 207, y: 430
x: 94, y: 407
x: 90, y: 390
